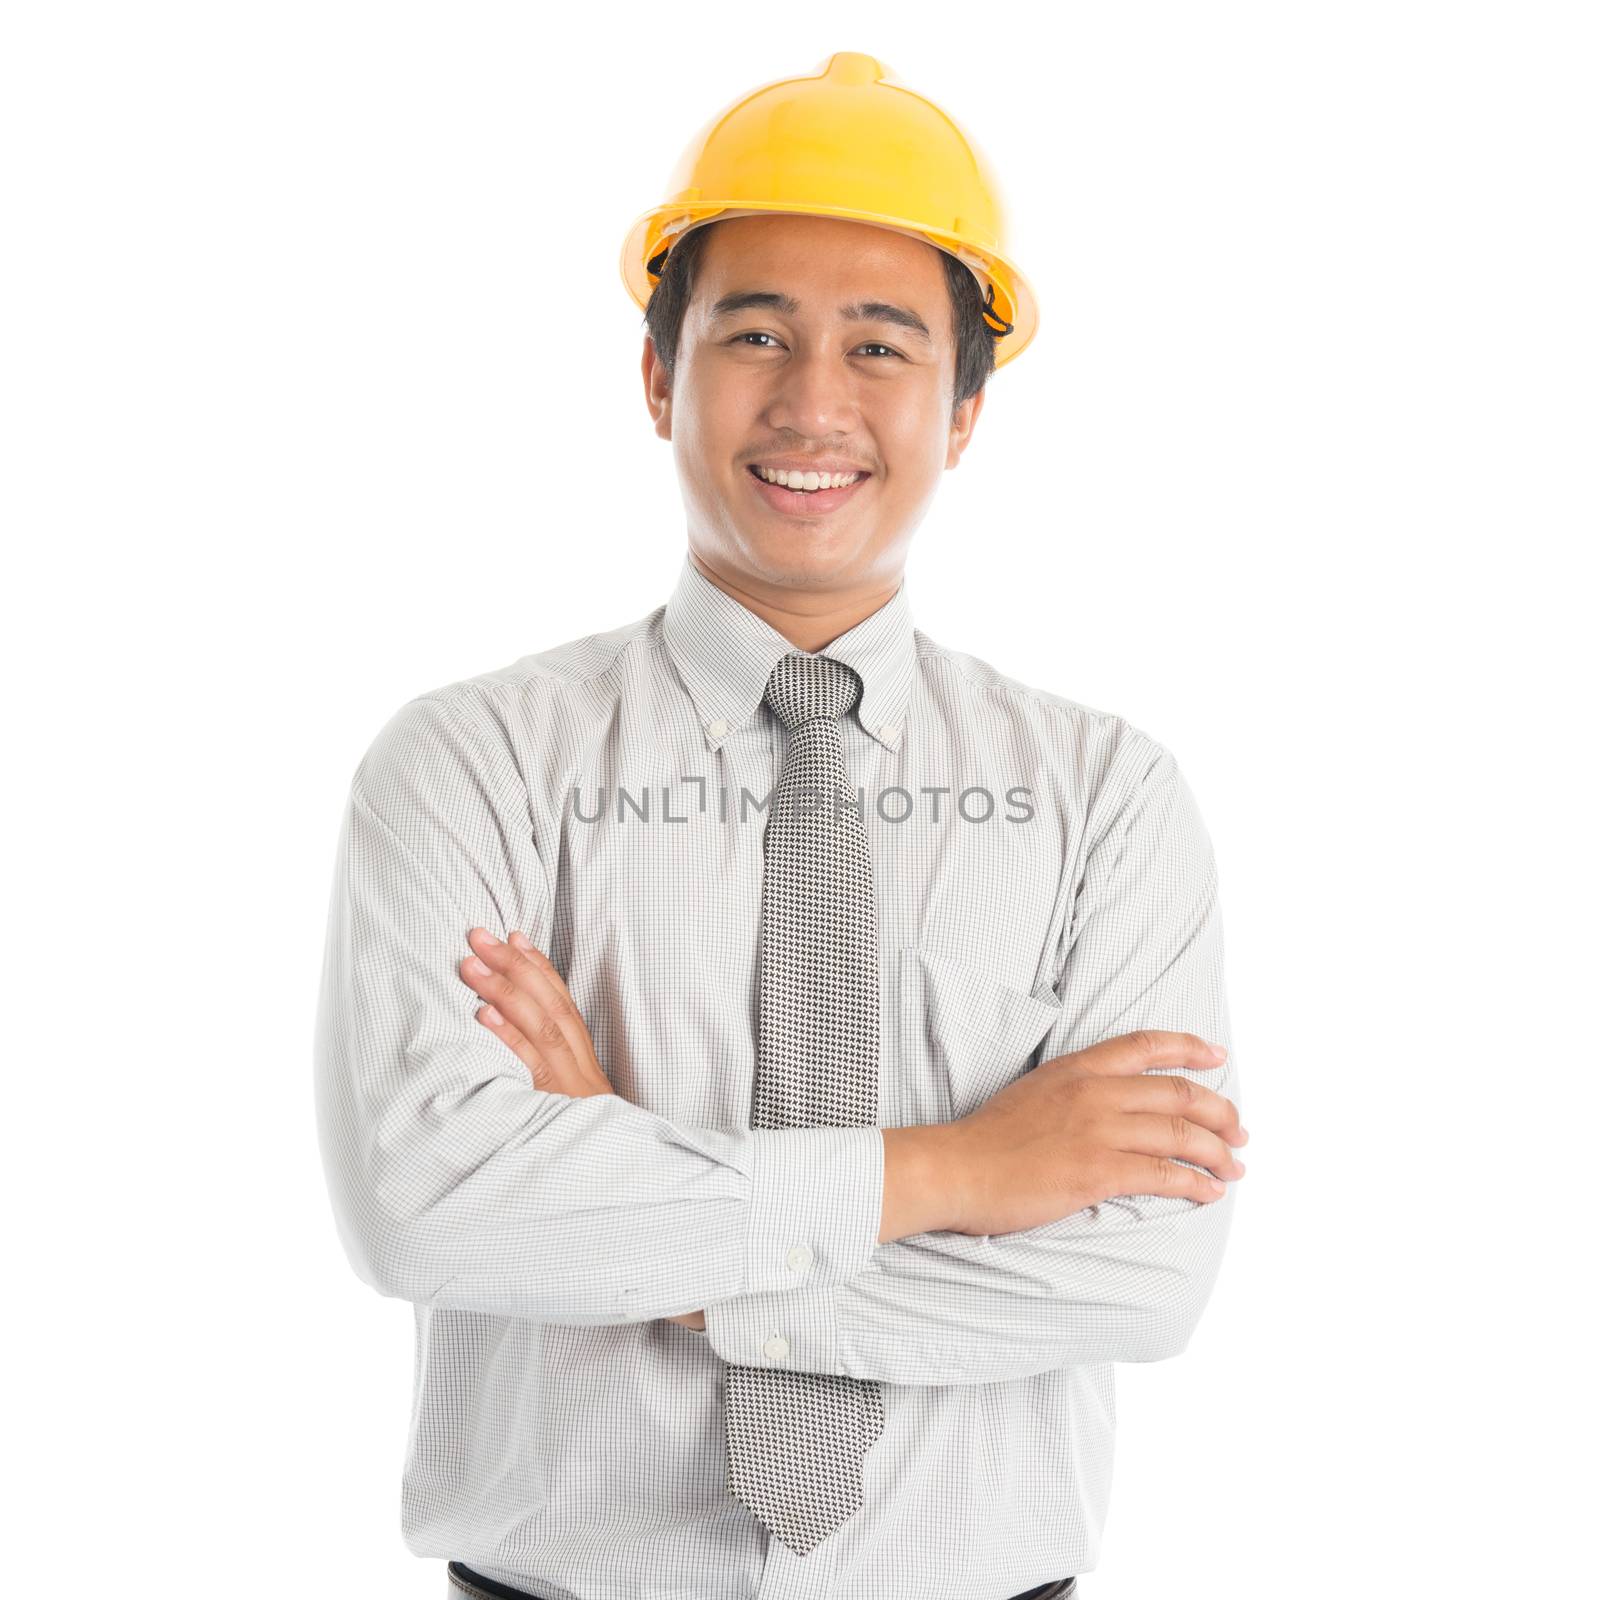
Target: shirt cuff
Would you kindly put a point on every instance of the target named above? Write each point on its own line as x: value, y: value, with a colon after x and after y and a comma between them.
x: 815, y: 1212
x: 797, y: 1330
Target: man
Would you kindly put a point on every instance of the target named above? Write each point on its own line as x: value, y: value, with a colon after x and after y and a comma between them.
x: 772, y: 1050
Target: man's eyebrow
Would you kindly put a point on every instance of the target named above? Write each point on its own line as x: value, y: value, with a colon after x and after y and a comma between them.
x: 863, y: 311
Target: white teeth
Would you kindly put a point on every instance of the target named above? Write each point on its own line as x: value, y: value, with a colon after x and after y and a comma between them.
x: 807, y: 481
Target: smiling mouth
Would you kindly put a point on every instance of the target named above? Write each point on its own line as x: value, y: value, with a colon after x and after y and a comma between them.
x: 804, y: 502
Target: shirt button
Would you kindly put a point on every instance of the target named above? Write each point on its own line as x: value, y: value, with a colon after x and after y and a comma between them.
x: 800, y: 1257
x: 777, y: 1347
x: 717, y: 728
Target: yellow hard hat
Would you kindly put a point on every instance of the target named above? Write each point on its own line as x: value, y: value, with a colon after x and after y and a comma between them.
x: 849, y: 141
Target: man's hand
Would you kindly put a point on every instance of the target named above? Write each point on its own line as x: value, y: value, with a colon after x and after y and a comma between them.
x: 532, y: 1013
x: 1083, y: 1127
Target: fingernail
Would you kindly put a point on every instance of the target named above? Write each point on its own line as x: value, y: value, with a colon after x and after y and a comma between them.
x: 519, y: 941
x: 1218, y: 1185
x: 477, y: 968
x: 493, y: 1016
x: 1220, y: 1053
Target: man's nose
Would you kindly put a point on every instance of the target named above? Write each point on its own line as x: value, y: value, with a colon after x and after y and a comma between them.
x: 814, y: 396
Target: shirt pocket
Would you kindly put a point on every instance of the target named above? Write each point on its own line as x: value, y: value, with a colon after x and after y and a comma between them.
x: 963, y: 1035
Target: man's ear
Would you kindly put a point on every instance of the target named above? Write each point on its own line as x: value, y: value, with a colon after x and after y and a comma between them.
x: 961, y: 429
x: 657, y: 388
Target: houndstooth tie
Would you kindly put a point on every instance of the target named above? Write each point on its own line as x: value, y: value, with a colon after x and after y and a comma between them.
x: 796, y: 1440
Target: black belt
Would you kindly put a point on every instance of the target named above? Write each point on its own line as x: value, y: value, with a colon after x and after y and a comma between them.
x: 477, y: 1587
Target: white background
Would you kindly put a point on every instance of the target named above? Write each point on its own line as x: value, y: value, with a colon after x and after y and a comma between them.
x: 321, y: 390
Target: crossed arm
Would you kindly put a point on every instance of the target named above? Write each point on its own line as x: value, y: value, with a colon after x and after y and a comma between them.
x: 1123, y: 1280
x: 456, y: 1182
x: 540, y: 1024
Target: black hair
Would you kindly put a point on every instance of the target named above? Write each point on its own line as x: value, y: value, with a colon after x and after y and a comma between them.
x: 970, y: 309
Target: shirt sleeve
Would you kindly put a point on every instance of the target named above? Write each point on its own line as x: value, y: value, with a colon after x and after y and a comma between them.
x: 1125, y: 1280
x: 454, y: 1181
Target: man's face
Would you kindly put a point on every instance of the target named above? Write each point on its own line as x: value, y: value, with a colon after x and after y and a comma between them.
x: 826, y: 375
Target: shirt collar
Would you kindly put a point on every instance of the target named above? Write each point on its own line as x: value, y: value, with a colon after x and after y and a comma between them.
x: 725, y: 654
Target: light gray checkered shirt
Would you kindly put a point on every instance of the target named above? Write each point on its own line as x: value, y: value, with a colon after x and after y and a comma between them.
x: 1044, y: 881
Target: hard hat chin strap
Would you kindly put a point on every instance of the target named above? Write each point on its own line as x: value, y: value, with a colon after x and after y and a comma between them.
x: 998, y: 325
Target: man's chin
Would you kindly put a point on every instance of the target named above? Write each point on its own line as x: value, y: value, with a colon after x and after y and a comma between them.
x: 803, y: 558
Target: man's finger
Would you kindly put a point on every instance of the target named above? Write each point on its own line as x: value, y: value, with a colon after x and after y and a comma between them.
x: 543, y: 1075
x: 549, y: 1034
x: 531, y: 969
x: 541, y: 963
x: 533, y: 972
x: 1145, y: 1048
x: 517, y: 1042
x: 534, y: 1038
x: 532, y: 997
x: 1171, y: 1096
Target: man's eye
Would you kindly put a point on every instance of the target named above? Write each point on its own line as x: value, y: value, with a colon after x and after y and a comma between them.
x: 871, y: 344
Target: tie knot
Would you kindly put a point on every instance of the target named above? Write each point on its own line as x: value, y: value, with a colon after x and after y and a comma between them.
x: 803, y: 688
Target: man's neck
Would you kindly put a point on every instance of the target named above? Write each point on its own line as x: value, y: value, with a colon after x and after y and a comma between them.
x: 808, y: 619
